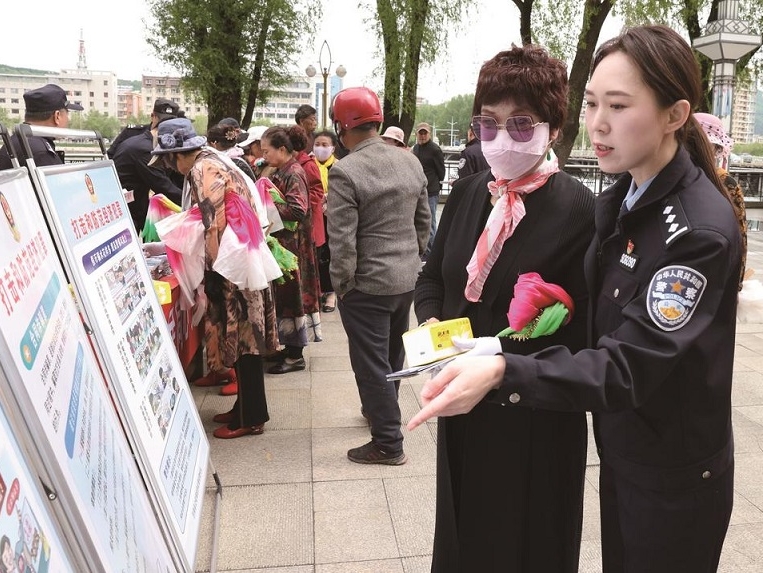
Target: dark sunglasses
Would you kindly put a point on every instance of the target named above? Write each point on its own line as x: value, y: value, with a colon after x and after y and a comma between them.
x: 520, y: 127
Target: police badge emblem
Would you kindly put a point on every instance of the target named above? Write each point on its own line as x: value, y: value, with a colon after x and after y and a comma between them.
x: 628, y: 260
x: 673, y: 295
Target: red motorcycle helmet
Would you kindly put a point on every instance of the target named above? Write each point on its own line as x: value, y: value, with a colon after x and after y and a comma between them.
x: 353, y: 107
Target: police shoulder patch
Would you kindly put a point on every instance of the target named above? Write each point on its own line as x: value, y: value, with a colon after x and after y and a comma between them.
x: 673, y: 295
x: 461, y: 163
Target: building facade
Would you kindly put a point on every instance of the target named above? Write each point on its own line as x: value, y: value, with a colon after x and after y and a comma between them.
x: 95, y: 91
x: 156, y: 86
x: 743, y: 114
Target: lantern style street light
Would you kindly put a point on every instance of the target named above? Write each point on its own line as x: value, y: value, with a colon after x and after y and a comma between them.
x: 725, y: 41
x: 340, y: 71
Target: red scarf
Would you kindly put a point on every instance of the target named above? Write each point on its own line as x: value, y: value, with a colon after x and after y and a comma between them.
x: 507, y: 212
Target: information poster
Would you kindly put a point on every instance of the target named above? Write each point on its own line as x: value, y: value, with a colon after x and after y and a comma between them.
x: 50, y: 366
x: 106, y: 262
x: 29, y: 540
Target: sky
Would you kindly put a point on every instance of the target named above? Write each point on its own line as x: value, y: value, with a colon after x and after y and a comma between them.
x: 115, y: 41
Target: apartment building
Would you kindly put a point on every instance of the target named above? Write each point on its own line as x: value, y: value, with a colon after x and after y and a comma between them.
x: 743, y: 114
x: 155, y: 86
x: 93, y: 90
x: 281, y: 106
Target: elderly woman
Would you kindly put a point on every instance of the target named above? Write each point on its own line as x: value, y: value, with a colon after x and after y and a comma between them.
x: 241, y: 320
x: 224, y: 138
x: 510, y: 482
x: 299, y: 298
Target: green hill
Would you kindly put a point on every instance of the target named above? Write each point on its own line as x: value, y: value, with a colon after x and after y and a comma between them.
x: 26, y: 71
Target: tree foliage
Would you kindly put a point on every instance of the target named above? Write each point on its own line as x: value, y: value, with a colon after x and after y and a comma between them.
x: 232, y: 53
x: 411, y: 33
x: 450, y: 117
x: 108, y: 126
x: 548, y: 22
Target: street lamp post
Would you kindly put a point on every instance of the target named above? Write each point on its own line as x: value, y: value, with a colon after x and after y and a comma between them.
x: 311, y: 71
x: 725, y: 41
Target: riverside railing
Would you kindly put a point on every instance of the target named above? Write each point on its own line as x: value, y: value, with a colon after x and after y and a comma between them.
x: 588, y: 173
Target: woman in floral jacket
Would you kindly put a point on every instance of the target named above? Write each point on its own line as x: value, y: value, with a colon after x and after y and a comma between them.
x: 295, y: 299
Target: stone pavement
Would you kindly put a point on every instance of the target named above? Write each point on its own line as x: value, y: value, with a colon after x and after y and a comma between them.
x: 293, y: 503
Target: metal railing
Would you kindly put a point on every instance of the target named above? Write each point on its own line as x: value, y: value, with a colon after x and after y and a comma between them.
x: 588, y: 173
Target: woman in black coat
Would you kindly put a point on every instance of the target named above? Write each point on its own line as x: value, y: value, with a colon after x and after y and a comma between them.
x: 510, y: 483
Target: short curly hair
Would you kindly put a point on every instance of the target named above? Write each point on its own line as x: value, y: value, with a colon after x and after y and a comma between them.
x: 529, y: 76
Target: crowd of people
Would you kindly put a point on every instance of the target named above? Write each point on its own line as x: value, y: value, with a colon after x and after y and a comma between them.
x: 622, y: 305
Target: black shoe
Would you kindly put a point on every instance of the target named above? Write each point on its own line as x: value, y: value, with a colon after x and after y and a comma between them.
x: 277, y: 356
x: 373, y: 454
x: 288, y: 365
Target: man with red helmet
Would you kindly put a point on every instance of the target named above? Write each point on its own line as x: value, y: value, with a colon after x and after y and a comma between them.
x: 378, y: 224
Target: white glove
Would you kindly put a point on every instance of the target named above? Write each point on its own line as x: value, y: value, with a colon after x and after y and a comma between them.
x: 482, y: 346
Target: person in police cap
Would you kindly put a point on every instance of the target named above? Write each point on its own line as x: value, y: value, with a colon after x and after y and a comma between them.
x: 46, y: 106
x: 162, y: 107
x: 131, y: 161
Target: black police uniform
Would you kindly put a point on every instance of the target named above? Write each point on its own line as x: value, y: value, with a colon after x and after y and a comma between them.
x: 43, y: 152
x: 128, y: 132
x: 131, y: 162
x: 48, y: 98
x: 663, y: 278
x: 471, y: 159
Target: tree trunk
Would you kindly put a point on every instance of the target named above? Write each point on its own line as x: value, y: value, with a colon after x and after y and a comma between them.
x: 594, y: 15
x: 418, y: 18
x: 259, y: 58
x: 525, y: 20
x: 392, y: 69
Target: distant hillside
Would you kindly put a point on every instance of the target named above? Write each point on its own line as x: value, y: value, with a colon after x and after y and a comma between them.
x: 27, y: 71
x: 136, y: 84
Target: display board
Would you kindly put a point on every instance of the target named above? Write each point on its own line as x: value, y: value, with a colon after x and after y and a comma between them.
x: 104, y: 258
x: 55, y: 379
x: 30, y: 539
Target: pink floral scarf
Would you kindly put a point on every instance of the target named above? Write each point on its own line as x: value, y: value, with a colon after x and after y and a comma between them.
x: 502, y: 222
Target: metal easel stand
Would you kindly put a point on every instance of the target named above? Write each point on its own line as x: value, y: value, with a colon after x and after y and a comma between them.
x: 216, y: 522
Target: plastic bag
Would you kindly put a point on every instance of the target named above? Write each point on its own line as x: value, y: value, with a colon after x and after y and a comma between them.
x: 183, y: 236
x: 750, y: 305
x: 243, y: 256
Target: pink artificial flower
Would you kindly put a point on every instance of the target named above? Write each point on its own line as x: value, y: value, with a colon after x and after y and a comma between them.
x: 531, y: 295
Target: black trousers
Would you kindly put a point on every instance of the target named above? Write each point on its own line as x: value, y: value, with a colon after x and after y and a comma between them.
x: 645, y: 531
x: 251, y: 407
x: 375, y: 325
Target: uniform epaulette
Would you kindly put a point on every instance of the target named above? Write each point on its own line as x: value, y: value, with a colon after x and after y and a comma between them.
x: 674, y: 220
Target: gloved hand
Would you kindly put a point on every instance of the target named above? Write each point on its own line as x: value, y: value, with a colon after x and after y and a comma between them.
x: 482, y: 346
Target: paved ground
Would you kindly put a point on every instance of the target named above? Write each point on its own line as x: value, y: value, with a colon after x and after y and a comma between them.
x: 293, y: 503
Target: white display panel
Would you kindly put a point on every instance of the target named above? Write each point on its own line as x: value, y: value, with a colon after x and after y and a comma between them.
x: 105, y: 259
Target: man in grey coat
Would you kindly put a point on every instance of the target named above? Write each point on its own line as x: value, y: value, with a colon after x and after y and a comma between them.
x: 378, y: 224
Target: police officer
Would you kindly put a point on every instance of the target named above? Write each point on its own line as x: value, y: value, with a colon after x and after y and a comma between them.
x: 663, y: 271
x: 471, y: 159
x: 46, y: 106
x: 131, y: 161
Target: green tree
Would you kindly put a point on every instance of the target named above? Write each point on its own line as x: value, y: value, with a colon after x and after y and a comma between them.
x: 454, y: 114
x: 411, y: 32
x: 549, y: 25
x: 105, y: 125
x: 233, y: 53
x: 6, y: 120
x: 142, y: 119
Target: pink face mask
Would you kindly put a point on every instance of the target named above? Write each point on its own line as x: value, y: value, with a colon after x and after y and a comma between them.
x: 509, y: 159
x: 323, y: 153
